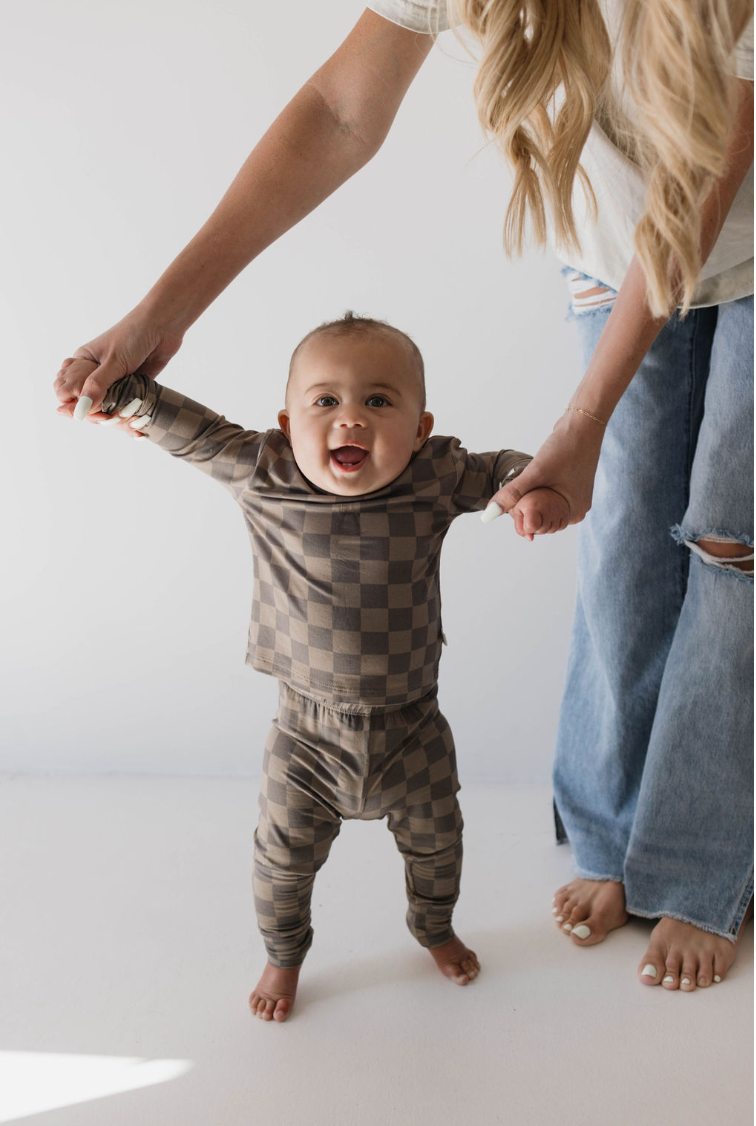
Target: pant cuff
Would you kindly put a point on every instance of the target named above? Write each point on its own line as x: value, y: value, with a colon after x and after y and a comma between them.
x: 288, y: 960
x: 599, y: 878
x: 681, y: 919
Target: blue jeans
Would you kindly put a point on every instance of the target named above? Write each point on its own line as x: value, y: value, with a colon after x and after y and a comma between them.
x: 653, y: 775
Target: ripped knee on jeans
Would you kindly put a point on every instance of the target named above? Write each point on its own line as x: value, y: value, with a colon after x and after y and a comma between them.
x: 719, y: 550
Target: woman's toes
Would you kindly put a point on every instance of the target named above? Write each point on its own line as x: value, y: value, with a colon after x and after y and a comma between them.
x: 671, y: 978
x: 587, y: 933
x: 563, y: 915
x: 705, y: 972
x: 688, y: 976
x: 577, y: 915
x: 651, y: 972
x: 281, y: 1011
x: 720, y: 970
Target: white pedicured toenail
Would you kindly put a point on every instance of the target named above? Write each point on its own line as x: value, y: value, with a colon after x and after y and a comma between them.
x: 554, y: 910
x: 685, y: 981
x: 559, y: 918
x: 669, y: 978
x: 582, y: 931
x: 567, y: 927
x: 649, y: 971
x: 717, y: 977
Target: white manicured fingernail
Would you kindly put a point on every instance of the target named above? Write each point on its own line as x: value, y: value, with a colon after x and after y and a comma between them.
x: 110, y: 421
x: 582, y: 931
x: 717, y: 977
x: 559, y: 918
x: 669, y: 977
x: 131, y: 408
x: 140, y: 423
x: 491, y: 513
x: 649, y: 971
x: 567, y: 927
x: 83, y: 407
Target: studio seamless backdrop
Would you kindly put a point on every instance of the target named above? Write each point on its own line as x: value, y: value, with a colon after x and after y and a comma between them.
x: 128, y: 577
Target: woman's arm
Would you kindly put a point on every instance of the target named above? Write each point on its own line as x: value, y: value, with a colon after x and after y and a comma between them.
x: 331, y: 128
x: 567, y: 460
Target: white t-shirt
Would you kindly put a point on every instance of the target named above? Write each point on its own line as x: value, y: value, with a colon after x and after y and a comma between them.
x: 607, y: 245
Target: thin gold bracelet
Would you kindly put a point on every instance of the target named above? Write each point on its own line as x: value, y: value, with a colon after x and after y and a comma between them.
x: 593, y: 416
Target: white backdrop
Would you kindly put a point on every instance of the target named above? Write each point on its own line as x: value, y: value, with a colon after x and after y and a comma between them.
x: 127, y: 577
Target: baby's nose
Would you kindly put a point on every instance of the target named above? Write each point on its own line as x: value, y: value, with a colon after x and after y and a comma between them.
x: 350, y: 417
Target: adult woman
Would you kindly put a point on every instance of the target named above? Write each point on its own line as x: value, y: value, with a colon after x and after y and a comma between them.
x: 683, y: 131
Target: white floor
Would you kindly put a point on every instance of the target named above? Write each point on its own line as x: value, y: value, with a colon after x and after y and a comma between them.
x: 129, y: 948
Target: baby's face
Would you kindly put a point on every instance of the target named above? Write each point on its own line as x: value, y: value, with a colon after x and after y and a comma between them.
x: 353, y: 412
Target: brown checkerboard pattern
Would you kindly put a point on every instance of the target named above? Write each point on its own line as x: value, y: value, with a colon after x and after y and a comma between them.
x: 324, y: 763
x: 347, y: 603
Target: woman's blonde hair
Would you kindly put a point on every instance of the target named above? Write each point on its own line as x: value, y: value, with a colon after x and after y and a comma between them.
x: 542, y: 79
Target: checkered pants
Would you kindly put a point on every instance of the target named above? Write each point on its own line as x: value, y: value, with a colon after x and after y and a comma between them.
x: 325, y: 762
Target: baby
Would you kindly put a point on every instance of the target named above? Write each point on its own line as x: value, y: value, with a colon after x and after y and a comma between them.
x: 347, y: 506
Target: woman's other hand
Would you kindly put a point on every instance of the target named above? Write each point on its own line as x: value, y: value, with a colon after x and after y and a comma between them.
x: 565, y: 463
x: 135, y: 344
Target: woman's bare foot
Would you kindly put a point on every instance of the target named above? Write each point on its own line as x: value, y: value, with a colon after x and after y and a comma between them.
x: 681, y: 956
x: 456, y: 961
x: 274, y: 994
x: 587, y: 910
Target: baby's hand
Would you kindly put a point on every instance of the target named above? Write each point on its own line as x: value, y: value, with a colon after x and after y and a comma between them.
x: 539, y: 512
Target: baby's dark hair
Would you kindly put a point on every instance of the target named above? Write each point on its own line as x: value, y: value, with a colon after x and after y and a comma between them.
x: 352, y: 325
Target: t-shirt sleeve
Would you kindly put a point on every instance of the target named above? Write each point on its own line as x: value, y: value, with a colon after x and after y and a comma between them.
x: 479, y: 476
x: 427, y: 16
x: 186, y: 429
x: 742, y: 58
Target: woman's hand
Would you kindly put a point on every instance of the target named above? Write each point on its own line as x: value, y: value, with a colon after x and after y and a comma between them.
x: 135, y: 344
x: 121, y: 421
x: 565, y: 463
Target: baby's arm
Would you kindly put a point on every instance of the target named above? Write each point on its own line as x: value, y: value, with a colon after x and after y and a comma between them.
x: 183, y: 427
x: 539, y: 512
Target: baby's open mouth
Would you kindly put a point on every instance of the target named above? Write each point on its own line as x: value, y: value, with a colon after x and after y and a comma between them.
x: 349, y: 458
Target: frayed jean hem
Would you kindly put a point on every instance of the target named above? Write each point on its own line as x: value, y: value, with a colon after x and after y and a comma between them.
x: 681, y: 919
x: 599, y: 879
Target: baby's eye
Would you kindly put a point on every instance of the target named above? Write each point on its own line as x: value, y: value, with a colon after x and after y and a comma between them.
x: 378, y: 401
x: 325, y: 401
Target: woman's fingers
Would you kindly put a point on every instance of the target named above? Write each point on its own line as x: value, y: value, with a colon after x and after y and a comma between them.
x: 126, y: 424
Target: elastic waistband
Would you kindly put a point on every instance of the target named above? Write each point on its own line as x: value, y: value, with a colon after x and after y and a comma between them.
x: 286, y: 690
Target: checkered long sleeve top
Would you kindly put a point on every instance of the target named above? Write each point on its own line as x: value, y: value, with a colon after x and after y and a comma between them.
x: 347, y: 604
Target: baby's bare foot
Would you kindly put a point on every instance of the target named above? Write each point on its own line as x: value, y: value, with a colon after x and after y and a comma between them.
x: 587, y: 910
x: 681, y: 956
x: 274, y: 994
x: 456, y: 961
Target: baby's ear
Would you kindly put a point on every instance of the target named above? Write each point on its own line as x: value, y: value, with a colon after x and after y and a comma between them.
x: 284, y: 423
x: 424, y: 427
